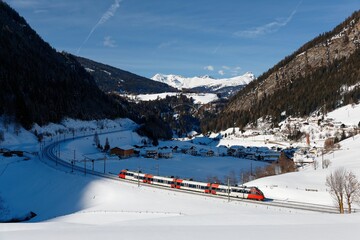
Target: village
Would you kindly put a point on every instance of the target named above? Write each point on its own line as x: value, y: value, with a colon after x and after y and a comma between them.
x: 296, y: 140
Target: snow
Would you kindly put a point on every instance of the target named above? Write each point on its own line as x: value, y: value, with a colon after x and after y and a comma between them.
x: 180, y: 82
x: 74, y: 206
x: 349, y: 115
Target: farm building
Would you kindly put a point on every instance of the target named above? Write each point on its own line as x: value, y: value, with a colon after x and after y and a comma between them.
x: 123, y: 151
x: 152, y: 153
x: 206, y: 153
x: 165, y: 154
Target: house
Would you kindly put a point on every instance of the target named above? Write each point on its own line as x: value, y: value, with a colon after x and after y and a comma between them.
x: 123, y: 151
x: 152, y: 153
x: 231, y: 152
x: 192, y: 151
x: 175, y: 149
x: 165, y: 154
x: 189, y: 150
x: 206, y: 153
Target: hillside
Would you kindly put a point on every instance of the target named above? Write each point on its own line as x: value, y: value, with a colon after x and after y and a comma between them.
x: 111, y: 79
x: 323, y: 74
x: 38, y: 84
x: 77, y: 206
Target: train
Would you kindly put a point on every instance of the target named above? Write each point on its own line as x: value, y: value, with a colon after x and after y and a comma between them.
x: 245, y: 192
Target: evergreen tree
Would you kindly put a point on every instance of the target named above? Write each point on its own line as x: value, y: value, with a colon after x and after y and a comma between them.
x: 107, y: 145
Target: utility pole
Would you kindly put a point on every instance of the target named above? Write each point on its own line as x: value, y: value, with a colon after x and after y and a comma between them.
x: 104, y: 162
x: 85, y: 166
x: 228, y: 189
x: 138, y: 177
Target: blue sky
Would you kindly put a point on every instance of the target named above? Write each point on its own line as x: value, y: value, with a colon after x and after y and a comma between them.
x: 221, y: 38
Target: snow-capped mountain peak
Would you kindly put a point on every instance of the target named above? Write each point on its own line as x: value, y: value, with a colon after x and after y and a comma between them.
x: 181, y: 82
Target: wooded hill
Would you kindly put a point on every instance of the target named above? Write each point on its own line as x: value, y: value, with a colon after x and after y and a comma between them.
x: 111, y: 79
x: 321, y: 75
x: 38, y: 84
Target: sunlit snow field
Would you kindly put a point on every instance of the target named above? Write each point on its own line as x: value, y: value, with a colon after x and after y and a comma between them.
x: 74, y: 206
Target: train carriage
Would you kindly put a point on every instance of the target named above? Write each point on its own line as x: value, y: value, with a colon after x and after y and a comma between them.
x: 189, y: 185
x: 193, y: 186
x: 163, y: 181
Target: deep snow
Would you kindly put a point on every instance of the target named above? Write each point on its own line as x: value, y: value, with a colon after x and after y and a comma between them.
x: 75, y: 206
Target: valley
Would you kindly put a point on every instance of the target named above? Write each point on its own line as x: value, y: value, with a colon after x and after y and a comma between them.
x: 194, y: 120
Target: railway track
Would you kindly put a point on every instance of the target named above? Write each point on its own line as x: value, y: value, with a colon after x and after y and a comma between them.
x: 48, y: 156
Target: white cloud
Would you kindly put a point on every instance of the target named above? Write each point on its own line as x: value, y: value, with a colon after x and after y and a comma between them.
x: 105, y: 17
x: 226, y: 67
x: 267, y: 28
x: 221, y: 72
x: 217, y: 48
x: 109, y: 42
x: 209, y: 68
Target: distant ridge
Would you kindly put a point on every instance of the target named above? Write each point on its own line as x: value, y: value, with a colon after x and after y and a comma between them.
x: 111, y: 79
x: 225, y: 86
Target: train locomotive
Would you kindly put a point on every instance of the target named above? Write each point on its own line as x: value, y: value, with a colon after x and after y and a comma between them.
x: 245, y: 192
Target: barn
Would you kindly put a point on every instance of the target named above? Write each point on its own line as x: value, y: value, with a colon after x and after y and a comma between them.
x: 122, y: 151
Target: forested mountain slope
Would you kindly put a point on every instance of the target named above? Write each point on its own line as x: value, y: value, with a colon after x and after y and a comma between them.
x: 321, y: 75
x: 38, y: 84
x: 111, y: 79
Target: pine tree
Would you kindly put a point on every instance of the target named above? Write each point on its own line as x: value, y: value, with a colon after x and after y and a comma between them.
x: 107, y: 145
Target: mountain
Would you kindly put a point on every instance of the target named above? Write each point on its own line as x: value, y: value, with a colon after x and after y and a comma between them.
x: 321, y: 75
x: 206, y: 83
x: 38, y: 84
x: 111, y: 79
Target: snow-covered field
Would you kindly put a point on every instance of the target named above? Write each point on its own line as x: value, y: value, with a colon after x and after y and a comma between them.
x: 199, y: 98
x: 75, y: 206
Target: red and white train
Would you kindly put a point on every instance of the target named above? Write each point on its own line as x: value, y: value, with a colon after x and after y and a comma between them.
x: 189, y: 185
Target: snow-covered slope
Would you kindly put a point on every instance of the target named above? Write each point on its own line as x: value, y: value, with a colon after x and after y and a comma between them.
x: 75, y: 206
x: 180, y: 82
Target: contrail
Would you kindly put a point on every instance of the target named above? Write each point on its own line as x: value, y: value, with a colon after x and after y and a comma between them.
x: 106, y: 16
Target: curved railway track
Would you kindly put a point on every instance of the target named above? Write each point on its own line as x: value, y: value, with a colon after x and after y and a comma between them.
x: 48, y: 156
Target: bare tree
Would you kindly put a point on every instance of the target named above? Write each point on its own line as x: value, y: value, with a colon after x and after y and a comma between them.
x: 326, y: 163
x: 336, y: 182
x: 352, y: 189
x: 343, y: 186
x: 96, y: 139
x: 232, y: 178
x: 315, y: 164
